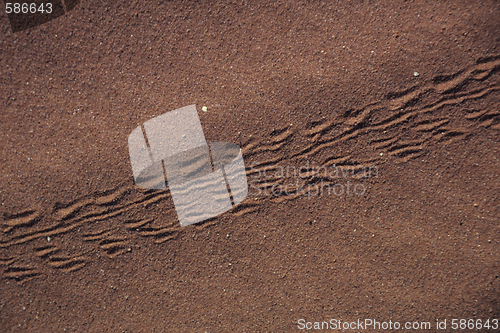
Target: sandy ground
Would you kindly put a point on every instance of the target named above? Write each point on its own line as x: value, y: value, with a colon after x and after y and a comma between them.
x: 408, y: 90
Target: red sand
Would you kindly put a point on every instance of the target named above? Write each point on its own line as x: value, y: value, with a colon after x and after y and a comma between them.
x: 292, y: 82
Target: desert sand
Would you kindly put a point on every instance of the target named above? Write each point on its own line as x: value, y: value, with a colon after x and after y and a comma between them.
x: 398, y: 101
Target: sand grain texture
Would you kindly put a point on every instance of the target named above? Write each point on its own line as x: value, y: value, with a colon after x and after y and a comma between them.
x: 294, y: 83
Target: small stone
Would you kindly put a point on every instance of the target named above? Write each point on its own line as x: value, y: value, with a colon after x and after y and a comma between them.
x: 48, y: 239
x: 204, y: 109
x: 415, y: 74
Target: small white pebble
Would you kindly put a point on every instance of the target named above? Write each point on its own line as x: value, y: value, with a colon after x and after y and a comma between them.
x: 204, y: 109
x: 415, y: 74
x: 48, y: 239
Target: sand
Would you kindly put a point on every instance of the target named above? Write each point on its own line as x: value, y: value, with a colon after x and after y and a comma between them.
x: 373, y: 192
